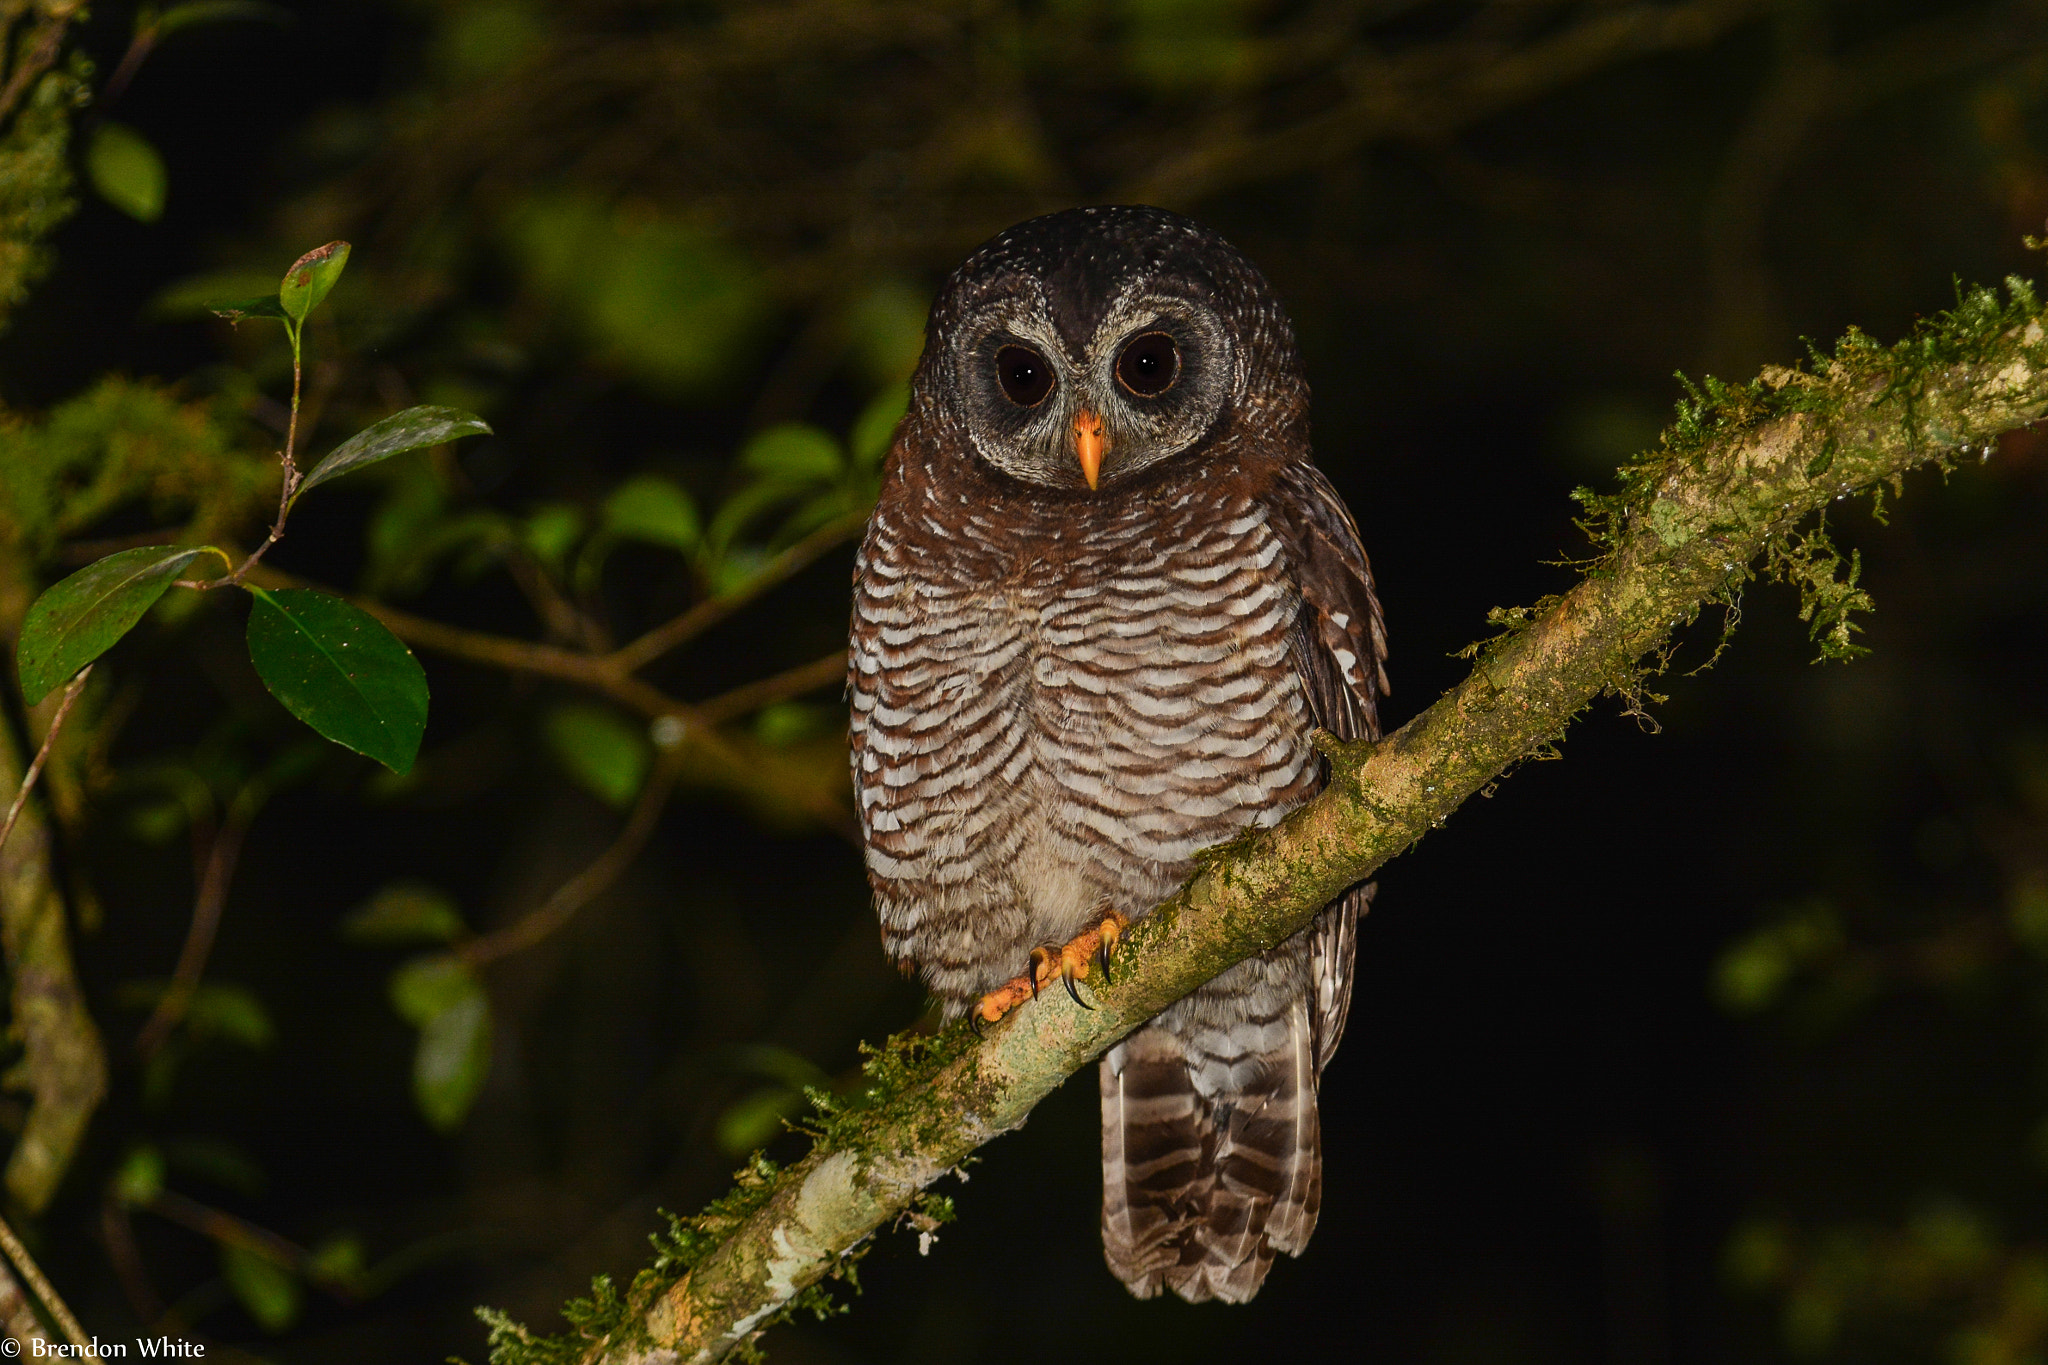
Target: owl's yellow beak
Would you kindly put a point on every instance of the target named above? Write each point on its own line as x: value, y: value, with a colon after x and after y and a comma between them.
x: 1089, y: 444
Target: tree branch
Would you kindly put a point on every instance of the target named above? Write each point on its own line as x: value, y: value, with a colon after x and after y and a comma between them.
x: 639, y: 653
x: 64, y: 1065
x: 1728, y: 488
x: 730, y: 760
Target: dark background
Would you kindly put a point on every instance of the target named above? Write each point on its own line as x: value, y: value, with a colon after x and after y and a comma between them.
x: 1719, y: 1039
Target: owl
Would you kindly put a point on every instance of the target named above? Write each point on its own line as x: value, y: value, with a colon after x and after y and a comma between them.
x: 1103, y: 604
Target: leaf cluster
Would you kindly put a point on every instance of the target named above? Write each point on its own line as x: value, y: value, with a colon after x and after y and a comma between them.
x: 331, y: 664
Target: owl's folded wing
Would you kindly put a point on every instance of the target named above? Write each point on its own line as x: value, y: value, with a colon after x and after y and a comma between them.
x: 1343, y: 655
x: 1341, y: 651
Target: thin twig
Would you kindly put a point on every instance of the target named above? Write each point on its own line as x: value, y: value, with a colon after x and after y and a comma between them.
x: 587, y: 885
x: 792, y: 682
x: 639, y: 653
x: 207, y: 906
x: 224, y: 1227
x: 117, y: 1231
x: 45, y: 1291
x: 286, y: 490
x: 35, y: 769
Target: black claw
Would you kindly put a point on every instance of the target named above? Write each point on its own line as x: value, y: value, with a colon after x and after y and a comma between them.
x: 1076, y: 994
x: 974, y: 1023
x: 1102, y: 957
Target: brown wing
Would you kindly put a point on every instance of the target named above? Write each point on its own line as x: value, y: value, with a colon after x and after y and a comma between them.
x: 1340, y: 649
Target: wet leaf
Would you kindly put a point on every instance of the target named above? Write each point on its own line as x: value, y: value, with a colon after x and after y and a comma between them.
x: 268, y: 1290
x: 606, y: 754
x: 311, y: 278
x: 82, y: 617
x: 337, y: 669
x: 127, y: 172
x: 405, y: 912
x: 412, y: 429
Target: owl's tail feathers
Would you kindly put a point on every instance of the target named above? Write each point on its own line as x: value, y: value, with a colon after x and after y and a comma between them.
x: 1199, y: 1190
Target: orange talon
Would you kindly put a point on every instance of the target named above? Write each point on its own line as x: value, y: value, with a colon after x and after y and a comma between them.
x: 1067, y: 963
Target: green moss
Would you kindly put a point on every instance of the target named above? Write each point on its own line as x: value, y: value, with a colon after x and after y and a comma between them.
x: 605, y: 1313
x: 35, y: 179
x: 123, y: 442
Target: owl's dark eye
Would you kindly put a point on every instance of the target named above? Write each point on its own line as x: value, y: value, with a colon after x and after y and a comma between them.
x: 1149, y: 365
x: 1024, y: 375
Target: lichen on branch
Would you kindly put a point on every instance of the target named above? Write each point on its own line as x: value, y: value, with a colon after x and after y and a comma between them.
x: 1735, y: 489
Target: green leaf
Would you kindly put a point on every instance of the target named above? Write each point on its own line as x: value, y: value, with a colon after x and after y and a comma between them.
x: 141, y: 1177
x: 310, y: 279
x: 604, y: 752
x: 793, y: 1069
x: 405, y: 912
x: 197, y: 295
x: 221, y: 1010
x: 876, y: 427
x: 887, y: 325
x: 792, y: 722
x: 268, y: 1290
x: 413, y: 429
x: 794, y: 453
x: 453, y: 1062
x: 742, y: 509
x: 443, y: 997
x: 428, y: 987
x: 196, y: 12
x: 339, y: 1261
x: 337, y: 669
x: 80, y: 618
x: 216, y: 1010
x: 127, y: 171
x: 264, y: 307
x: 665, y: 300
x: 655, y: 510
x: 552, y: 530
x: 752, y: 1122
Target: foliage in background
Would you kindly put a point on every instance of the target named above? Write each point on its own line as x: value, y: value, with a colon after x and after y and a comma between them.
x: 448, y: 1038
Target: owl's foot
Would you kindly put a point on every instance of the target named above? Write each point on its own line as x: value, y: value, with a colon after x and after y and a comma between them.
x: 1067, y: 962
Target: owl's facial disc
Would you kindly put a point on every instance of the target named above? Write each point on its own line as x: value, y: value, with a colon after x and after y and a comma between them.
x: 1088, y: 413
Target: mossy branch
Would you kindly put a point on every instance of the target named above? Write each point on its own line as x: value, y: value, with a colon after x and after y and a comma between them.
x: 1723, y: 497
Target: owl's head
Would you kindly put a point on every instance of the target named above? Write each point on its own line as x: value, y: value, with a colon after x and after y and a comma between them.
x: 1076, y: 350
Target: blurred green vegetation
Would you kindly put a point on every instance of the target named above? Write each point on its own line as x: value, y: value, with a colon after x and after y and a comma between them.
x: 1721, y: 1045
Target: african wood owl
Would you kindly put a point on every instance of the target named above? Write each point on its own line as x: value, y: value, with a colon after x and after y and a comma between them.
x: 1103, y: 603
